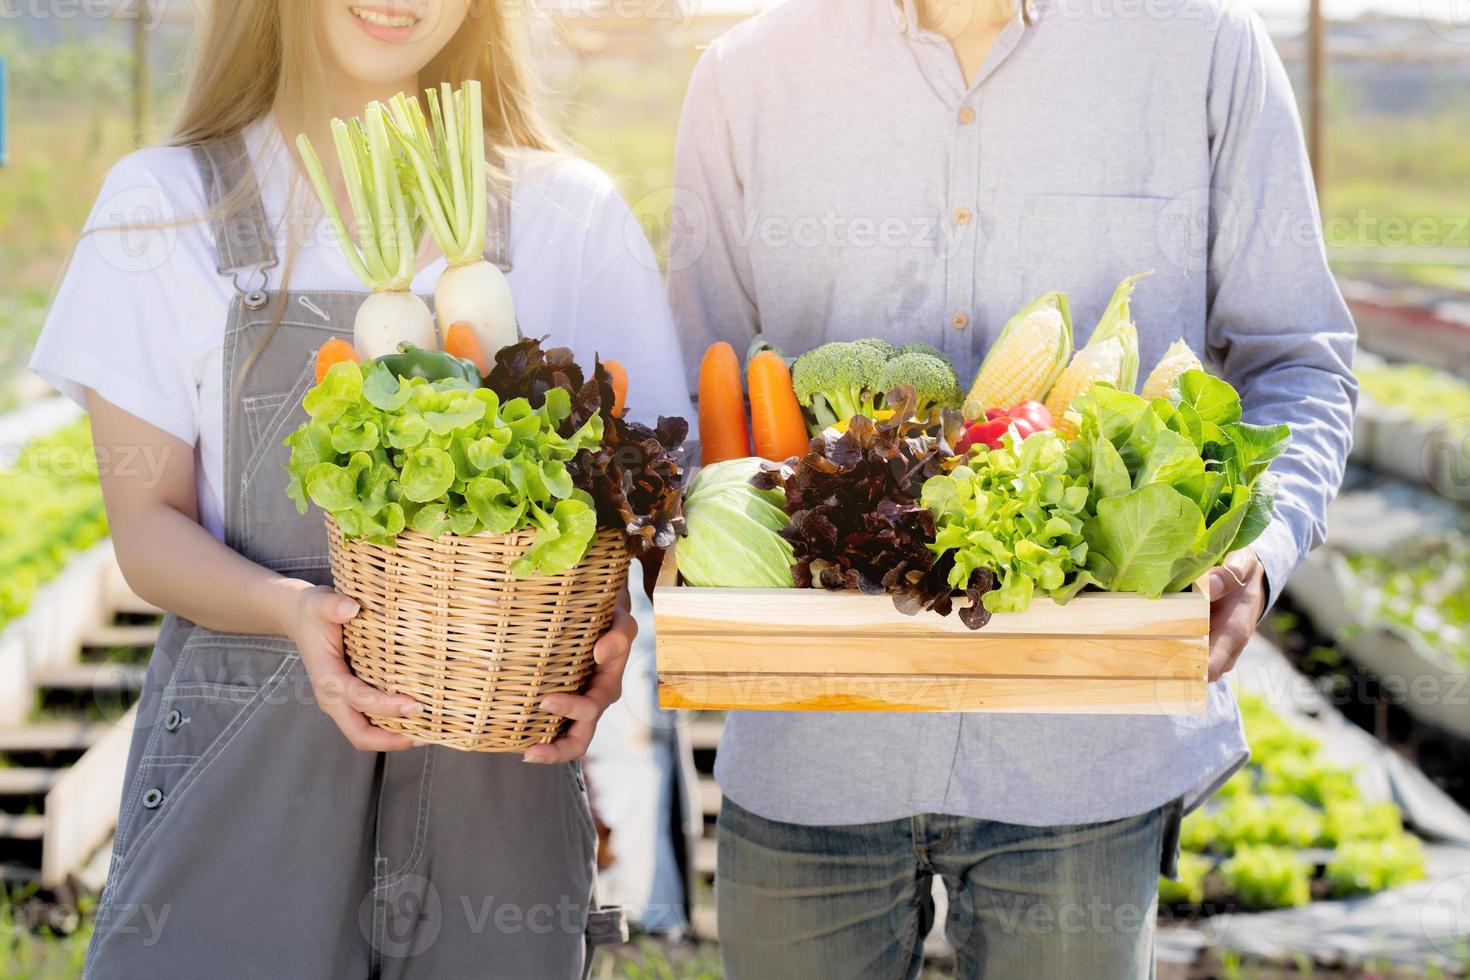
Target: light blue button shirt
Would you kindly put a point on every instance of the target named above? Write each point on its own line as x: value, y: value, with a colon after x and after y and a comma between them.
x: 837, y: 178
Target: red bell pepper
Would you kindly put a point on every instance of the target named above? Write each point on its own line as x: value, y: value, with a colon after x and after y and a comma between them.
x: 1027, y: 417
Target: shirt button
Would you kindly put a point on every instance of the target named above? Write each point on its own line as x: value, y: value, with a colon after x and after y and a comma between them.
x: 173, y: 720
x: 967, y: 116
x: 959, y: 321
x: 963, y: 216
x: 153, y: 798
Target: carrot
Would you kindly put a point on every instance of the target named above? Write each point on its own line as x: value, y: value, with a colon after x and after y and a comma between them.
x: 723, y: 432
x: 617, y: 376
x: 334, y: 351
x: 775, y: 417
x: 460, y: 342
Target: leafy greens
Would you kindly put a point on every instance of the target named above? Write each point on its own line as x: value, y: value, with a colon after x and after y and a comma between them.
x: 382, y: 454
x: 1013, y: 514
x: 633, y: 474
x: 1176, y: 483
x: 856, y: 519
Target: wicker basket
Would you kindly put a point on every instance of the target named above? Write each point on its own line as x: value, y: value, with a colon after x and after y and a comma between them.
x: 447, y: 623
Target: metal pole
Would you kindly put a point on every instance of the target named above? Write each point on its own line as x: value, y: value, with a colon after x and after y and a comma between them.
x: 1314, y: 92
x: 142, y: 77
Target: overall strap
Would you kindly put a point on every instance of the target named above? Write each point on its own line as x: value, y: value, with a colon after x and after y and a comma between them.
x: 243, y: 239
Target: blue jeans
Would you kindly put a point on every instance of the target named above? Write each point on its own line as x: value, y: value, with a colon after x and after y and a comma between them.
x: 853, y: 902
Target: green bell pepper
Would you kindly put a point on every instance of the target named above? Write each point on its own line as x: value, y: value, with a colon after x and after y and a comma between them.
x: 431, y: 365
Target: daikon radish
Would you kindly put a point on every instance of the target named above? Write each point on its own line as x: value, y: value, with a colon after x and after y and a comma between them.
x: 446, y: 158
x: 384, y: 255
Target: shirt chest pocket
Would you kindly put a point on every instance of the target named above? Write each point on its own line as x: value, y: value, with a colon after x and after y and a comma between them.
x: 1085, y: 244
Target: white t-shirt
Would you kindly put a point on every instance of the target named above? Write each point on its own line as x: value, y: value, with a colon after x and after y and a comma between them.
x: 140, y: 315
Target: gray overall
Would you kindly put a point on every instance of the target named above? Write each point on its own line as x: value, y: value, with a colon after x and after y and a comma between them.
x: 253, y: 840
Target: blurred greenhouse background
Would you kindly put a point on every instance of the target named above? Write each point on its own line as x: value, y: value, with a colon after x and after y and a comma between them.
x: 1357, y: 696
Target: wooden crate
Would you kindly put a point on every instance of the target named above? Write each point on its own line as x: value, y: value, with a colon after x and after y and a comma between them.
x: 813, y: 650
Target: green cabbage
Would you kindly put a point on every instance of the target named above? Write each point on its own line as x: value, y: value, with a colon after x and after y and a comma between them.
x: 733, y: 538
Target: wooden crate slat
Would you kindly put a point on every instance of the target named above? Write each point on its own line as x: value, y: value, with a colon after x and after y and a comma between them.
x: 794, y: 612
x: 847, y: 692
x: 973, y: 654
x: 813, y: 650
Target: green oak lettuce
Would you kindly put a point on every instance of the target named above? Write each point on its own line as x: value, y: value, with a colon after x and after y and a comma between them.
x: 382, y: 455
x: 1015, y: 512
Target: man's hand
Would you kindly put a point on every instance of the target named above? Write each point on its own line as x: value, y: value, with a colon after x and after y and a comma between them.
x: 605, y: 687
x: 1237, y: 601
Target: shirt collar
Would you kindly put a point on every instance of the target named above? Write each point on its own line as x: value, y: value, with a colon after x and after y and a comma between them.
x: 906, y: 17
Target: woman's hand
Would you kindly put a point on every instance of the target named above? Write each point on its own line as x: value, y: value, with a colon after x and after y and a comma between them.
x: 313, y: 618
x: 605, y: 687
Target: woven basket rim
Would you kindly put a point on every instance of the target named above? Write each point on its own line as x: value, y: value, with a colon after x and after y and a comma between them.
x: 509, y: 536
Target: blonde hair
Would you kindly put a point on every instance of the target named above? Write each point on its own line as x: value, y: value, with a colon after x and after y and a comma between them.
x: 255, y: 58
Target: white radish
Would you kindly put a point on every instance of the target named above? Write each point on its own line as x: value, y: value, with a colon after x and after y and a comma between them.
x: 384, y: 254
x: 477, y: 294
x: 386, y: 319
x: 445, y: 152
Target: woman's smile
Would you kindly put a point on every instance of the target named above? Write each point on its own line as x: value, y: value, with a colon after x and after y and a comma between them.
x: 385, y: 24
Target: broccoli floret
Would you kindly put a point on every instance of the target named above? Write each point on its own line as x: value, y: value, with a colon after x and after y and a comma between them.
x: 932, y: 378
x: 839, y: 380
x: 883, y: 347
x: 921, y: 348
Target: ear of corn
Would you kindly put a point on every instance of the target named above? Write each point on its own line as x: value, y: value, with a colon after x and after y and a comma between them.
x: 1176, y: 360
x: 1106, y: 361
x: 1111, y: 356
x: 1027, y: 357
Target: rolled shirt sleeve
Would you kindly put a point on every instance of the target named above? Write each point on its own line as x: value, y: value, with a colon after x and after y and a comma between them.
x: 1277, y: 324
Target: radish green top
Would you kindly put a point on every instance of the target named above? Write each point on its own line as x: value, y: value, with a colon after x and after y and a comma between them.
x: 385, y: 253
x: 446, y: 158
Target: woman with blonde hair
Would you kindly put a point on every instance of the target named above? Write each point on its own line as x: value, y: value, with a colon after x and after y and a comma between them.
x: 266, y: 828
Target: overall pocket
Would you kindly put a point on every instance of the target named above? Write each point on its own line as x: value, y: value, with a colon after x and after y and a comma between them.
x: 219, y: 684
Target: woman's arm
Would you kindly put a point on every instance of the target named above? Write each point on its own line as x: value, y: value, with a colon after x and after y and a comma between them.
x: 172, y: 562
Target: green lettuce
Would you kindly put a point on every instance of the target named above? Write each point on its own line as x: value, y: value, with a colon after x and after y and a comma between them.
x: 1014, y: 513
x: 1174, y: 484
x: 383, y: 454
